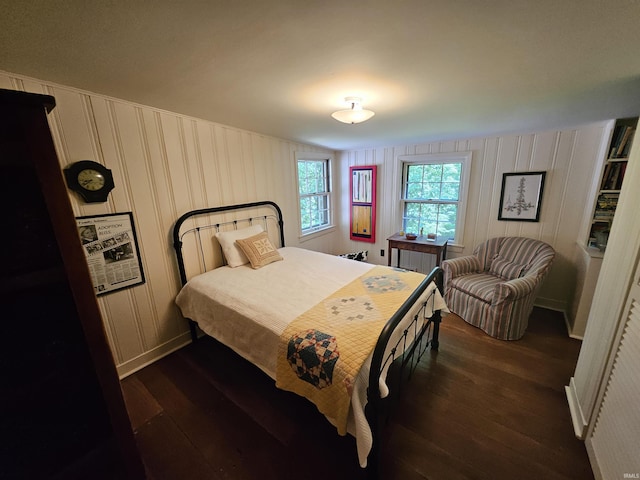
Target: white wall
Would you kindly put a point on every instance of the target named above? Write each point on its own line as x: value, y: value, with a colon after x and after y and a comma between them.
x: 568, y: 156
x: 164, y: 164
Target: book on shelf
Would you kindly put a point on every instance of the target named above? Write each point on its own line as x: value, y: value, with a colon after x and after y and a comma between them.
x: 607, y: 201
x: 613, y: 175
x: 627, y: 146
x: 621, y: 141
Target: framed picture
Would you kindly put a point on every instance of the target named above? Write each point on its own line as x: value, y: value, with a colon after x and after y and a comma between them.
x: 111, y: 248
x: 363, y: 203
x: 521, y: 196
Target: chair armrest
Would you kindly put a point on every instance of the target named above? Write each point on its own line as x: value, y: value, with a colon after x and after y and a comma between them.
x: 514, y: 289
x: 456, y: 267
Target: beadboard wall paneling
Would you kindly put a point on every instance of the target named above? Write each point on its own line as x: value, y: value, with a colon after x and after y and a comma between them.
x: 568, y: 156
x: 164, y: 164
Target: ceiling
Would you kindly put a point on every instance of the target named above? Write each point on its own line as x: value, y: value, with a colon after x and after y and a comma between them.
x: 430, y: 69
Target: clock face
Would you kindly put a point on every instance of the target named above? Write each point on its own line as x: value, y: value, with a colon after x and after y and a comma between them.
x: 91, y: 179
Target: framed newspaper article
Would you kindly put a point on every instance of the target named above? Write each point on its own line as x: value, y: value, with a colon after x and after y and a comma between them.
x: 111, y: 247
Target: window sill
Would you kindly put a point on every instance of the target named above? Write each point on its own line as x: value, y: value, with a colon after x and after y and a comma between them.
x: 317, y: 233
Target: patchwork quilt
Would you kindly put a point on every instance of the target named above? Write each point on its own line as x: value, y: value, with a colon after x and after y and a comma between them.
x: 321, y: 352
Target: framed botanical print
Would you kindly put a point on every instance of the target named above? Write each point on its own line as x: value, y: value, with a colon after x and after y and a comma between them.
x: 521, y: 196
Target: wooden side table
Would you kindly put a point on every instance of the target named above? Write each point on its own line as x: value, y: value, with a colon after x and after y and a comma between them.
x: 437, y: 247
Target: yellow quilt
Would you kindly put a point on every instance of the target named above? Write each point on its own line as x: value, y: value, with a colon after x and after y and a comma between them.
x: 321, y: 352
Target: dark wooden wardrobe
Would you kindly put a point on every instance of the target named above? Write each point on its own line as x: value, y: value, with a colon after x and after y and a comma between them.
x: 62, y: 414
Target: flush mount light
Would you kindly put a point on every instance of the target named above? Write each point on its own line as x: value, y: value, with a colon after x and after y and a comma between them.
x: 355, y: 114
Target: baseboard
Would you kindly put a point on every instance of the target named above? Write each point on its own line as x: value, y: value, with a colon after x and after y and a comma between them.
x: 131, y: 366
x: 571, y: 334
x: 551, y: 304
x: 577, y: 418
x: 593, y: 460
x: 558, y: 306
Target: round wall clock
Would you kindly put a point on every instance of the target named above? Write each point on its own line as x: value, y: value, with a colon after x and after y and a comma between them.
x: 90, y: 179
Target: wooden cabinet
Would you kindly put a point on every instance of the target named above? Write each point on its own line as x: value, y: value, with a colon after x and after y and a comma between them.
x: 613, y: 171
x: 62, y: 413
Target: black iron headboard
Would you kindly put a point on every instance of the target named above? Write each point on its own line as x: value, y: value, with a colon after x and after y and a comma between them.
x: 178, y: 235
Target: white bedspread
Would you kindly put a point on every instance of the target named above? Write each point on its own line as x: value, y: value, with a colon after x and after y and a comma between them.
x: 248, y: 310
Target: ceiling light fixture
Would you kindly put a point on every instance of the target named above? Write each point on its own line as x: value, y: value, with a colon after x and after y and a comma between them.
x: 355, y: 114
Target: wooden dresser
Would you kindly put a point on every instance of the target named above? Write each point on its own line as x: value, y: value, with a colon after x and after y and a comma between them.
x: 62, y: 414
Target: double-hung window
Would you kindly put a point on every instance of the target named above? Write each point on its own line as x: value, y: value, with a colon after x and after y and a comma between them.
x: 314, y: 191
x: 434, y: 194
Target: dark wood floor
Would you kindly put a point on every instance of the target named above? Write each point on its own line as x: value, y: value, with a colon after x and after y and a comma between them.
x: 479, y: 408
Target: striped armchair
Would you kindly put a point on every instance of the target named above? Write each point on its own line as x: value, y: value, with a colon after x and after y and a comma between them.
x: 495, y: 287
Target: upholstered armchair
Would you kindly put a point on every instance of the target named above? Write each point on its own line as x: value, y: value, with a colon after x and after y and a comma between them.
x: 495, y: 287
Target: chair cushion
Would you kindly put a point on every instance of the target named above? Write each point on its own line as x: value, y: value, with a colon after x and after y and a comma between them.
x: 521, y: 250
x: 506, y: 269
x: 477, y: 285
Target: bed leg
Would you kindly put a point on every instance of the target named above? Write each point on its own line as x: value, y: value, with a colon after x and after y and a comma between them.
x: 192, y: 329
x: 435, y: 342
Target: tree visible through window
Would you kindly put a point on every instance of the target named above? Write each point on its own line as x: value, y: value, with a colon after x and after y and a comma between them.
x: 432, y: 195
x: 314, y: 194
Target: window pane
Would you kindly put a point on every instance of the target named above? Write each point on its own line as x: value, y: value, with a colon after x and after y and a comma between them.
x: 414, y: 191
x: 433, y: 173
x: 447, y: 220
x: 450, y: 191
x: 302, y: 177
x: 451, y: 172
x: 415, y: 173
x: 432, y: 191
x: 305, y: 213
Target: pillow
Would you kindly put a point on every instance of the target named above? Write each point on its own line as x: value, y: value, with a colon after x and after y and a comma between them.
x: 232, y: 253
x: 506, y: 269
x: 259, y: 250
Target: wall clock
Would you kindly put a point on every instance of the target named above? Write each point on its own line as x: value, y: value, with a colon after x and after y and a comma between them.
x: 92, y: 180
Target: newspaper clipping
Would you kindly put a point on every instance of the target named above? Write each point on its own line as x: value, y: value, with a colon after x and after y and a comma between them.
x: 111, y: 248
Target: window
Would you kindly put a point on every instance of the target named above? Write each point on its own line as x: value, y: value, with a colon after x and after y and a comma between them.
x: 434, y: 192
x: 314, y: 192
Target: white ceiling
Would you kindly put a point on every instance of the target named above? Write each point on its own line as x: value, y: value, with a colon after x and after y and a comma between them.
x: 430, y: 69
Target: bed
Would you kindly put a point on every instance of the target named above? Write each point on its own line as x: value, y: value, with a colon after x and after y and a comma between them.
x: 274, y: 304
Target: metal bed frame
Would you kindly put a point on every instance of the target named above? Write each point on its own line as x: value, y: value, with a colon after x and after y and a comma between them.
x: 403, y: 356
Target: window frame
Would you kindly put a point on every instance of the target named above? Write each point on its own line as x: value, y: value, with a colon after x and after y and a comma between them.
x: 464, y: 158
x: 330, y: 226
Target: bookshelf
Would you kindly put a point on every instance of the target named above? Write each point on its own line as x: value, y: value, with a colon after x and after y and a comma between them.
x: 613, y: 153
x: 615, y: 165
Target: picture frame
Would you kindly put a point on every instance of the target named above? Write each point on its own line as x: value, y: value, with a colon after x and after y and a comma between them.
x: 521, y: 196
x: 110, y: 245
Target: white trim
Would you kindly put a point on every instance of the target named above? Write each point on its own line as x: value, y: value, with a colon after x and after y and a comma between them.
x: 300, y: 155
x: 138, y: 363
x: 316, y: 233
x: 577, y: 417
x: 462, y: 157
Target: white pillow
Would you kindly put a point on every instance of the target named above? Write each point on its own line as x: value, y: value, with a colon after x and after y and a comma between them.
x: 232, y: 253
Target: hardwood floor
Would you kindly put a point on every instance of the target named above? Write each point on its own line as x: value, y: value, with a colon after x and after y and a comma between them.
x: 479, y: 408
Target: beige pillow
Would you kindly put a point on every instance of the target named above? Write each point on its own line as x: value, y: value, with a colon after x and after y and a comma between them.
x: 232, y: 254
x: 259, y: 250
